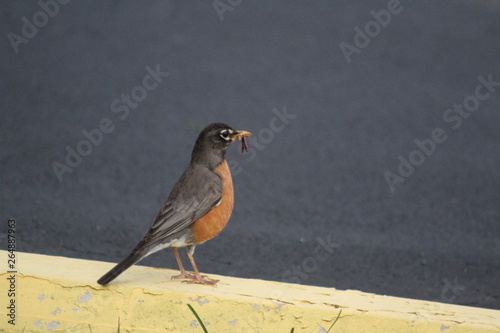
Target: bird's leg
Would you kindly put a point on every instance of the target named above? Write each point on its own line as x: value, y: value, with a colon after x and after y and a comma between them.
x: 184, y: 274
x: 198, y: 278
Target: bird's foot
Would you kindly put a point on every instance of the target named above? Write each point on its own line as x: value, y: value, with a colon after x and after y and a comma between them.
x: 184, y: 275
x: 201, y: 279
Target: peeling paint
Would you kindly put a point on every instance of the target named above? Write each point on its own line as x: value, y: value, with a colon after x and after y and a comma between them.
x: 279, y: 304
x: 86, y: 297
x: 331, y: 304
x: 56, y: 311
x: 69, y: 287
x: 52, y: 325
x: 199, y: 301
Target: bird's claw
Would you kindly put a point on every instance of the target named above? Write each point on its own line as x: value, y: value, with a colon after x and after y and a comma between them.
x: 184, y: 275
x: 201, y: 280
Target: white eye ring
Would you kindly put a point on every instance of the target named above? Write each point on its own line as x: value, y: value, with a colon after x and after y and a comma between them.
x: 225, y: 134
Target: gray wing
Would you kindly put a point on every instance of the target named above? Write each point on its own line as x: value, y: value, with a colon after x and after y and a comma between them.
x: 194, y: 195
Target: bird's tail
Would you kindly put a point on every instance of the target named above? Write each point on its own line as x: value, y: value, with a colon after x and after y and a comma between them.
x: 132, y: 258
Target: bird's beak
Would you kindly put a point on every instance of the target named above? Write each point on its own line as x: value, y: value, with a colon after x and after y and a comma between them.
x: 242, y: 135
x: 239, y: 135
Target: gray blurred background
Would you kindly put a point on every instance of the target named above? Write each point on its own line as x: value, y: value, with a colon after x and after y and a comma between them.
x: 313, y: 204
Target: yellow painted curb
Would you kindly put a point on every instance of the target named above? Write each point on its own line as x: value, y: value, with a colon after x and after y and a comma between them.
x: 56, y: 294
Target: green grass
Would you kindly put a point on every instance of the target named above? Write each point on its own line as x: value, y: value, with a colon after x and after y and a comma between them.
x: 206, y: 331
x: 198, y: 318
x: 338, y: 316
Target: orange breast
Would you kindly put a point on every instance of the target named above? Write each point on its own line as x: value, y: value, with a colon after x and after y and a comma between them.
x: 212, y: 223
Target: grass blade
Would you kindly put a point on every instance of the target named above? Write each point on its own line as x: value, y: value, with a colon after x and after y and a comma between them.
x: 338, y: 316
x: 198, y: 318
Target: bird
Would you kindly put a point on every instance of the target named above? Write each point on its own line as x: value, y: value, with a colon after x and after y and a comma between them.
x: 196, y: 210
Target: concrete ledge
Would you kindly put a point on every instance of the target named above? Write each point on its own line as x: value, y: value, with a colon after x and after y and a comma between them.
x: 56, y: 294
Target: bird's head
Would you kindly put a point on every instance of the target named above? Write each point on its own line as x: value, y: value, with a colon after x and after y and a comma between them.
x: 216, y: 138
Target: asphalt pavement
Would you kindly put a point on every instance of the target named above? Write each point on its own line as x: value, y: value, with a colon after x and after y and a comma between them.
x: 375, y: 163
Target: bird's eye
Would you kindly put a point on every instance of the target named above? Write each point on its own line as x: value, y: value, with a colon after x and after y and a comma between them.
x: 225, y: 134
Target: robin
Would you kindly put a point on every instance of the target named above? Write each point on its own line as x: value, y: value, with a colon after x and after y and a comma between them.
x: 197, y: 209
